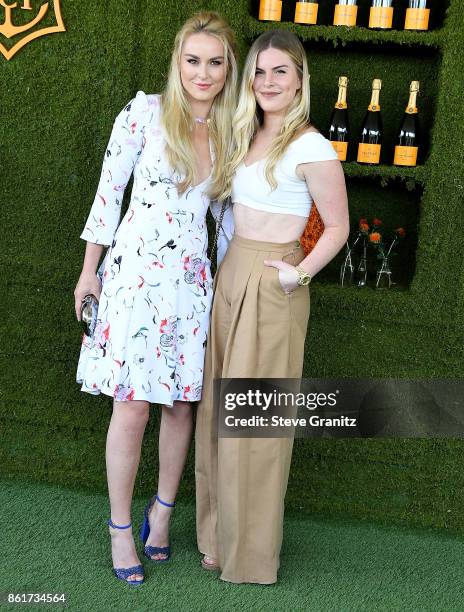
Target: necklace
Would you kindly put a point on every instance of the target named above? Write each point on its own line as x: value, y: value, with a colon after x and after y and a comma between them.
x: 201, y: 120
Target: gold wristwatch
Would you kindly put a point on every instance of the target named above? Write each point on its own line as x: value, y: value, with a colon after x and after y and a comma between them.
x: 303, y: 277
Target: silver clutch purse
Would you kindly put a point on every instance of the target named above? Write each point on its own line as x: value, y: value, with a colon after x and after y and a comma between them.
x: 89, y: 312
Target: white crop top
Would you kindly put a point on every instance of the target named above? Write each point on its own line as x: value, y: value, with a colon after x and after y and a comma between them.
x: 291, y: 196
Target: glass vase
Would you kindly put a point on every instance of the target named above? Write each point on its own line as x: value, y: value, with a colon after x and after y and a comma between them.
x: 383, y: 277
x: 347, y: 269
x: 361, y: 272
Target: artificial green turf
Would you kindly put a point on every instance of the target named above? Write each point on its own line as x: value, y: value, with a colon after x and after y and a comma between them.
x: 56, y: 540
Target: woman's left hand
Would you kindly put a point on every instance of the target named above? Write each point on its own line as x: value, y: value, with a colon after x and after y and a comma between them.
x: 288, y: 276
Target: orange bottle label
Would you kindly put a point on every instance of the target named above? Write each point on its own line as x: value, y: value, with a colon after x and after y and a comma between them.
x: 369, y: 153
x: 345, y: 15
x: 405, y: 156
x: 270, y: 10
x: 306, y: 12
x: 341, y: 149
x: 417, y: 19
x: 381, y: 17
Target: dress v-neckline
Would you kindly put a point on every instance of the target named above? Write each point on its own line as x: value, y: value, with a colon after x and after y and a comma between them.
x: 206, y: 179
x: 212, y: 157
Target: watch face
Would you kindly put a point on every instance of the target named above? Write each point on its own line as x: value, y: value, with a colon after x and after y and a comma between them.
x: 303, y: 277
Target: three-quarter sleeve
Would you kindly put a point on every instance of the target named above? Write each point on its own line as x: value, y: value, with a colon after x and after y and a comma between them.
x: 124, y: 147
x: 227, y: 227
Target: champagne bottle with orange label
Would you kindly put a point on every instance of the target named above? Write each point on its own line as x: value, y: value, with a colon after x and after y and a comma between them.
x: 370, y: 143
x: 339, y: 127
x: 346, y: 12
x: 417, y: 15
x: 270, y: 10
x: 306, y: 12
x: 407, y: 142
x: 381, y: 14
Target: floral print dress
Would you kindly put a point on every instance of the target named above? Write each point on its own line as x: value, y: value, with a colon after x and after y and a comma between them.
x: 154, y: 308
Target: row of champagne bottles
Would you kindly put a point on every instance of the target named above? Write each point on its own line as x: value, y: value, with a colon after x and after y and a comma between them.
x: 370, y: 139
x: 346, y: 13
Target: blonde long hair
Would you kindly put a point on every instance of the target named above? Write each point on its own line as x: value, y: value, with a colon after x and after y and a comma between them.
x: 176, y: 115
x: 248, y: 116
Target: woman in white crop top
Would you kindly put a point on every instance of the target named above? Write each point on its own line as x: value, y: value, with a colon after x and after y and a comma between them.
x: 261, y: 303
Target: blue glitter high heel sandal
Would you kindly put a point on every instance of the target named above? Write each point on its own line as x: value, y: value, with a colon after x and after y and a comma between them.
x: 149, y: 551
x: 123, y: 573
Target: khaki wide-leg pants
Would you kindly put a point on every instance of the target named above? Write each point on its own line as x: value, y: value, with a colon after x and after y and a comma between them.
x: 256, y: 331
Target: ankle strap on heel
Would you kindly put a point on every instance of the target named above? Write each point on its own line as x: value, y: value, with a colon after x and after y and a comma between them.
x: 111, y: 524
x: 163, y: 503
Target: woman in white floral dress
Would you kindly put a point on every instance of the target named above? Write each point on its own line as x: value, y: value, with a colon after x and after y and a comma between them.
x: 154, y: 285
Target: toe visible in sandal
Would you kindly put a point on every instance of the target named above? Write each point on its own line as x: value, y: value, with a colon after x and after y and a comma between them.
x: 124, y: 573
x: 210, y: 565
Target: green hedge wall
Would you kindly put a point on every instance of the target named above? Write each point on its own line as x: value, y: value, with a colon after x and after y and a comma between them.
x: 59, y: 97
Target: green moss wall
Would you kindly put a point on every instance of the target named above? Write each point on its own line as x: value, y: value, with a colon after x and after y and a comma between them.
x: 59, y: 96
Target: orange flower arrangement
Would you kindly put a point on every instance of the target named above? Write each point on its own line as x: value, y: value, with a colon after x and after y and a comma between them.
x: 376, y: 239
x: 363, y: 226
x: 315, y: 228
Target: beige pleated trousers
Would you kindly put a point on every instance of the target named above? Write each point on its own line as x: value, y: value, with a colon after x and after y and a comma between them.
x: 256, y: 331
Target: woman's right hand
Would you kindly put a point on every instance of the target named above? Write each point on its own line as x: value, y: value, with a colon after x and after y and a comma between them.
x: 88, y: 283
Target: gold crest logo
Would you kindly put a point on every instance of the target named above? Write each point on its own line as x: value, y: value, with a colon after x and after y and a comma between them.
x: 11, y: 29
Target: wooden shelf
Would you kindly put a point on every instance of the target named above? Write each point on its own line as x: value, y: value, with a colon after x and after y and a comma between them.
x: 341, y: 35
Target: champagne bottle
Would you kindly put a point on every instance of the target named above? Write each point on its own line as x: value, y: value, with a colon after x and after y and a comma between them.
x: 417, y: 15
x: 371, y: 135
x: 270, y: 10
x: 306, y: 12
x: 346, y: 12
x: 381, y: 14
x: 339, y: 127
x: 407, y: 142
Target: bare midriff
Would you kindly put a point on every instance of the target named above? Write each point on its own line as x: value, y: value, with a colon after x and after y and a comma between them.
x: 267, y: 227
